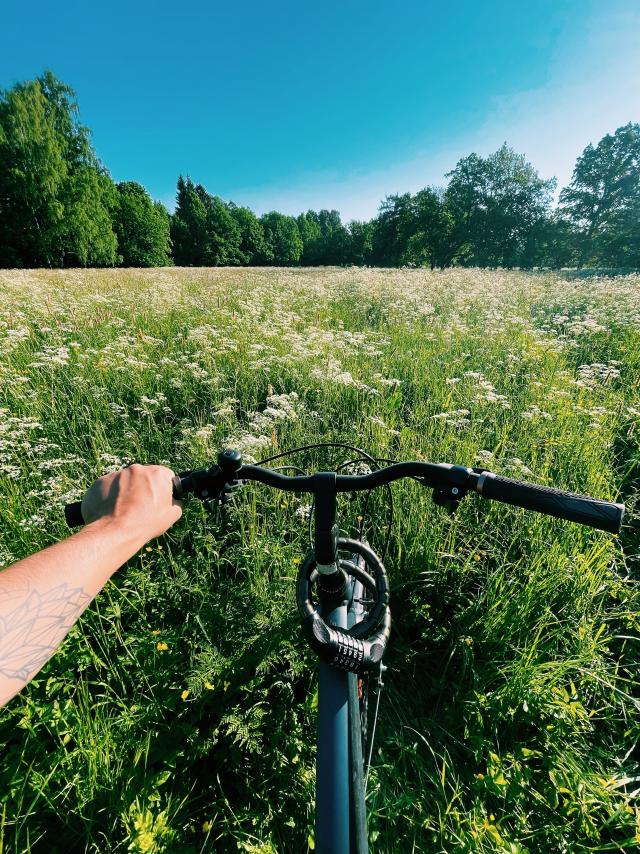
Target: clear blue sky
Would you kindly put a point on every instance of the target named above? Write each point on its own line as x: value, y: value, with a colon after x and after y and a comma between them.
x: 335, y: 103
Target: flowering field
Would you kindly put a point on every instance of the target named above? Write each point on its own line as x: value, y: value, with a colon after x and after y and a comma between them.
x: 179, y: 714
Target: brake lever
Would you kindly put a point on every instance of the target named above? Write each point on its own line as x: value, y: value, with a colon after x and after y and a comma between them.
x: 226, y: 493
x: 448, y: 497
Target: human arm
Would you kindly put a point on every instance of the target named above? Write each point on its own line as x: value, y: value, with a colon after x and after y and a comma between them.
x: 42, y: 596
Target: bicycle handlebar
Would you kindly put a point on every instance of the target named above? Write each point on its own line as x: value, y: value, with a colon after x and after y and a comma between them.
x: 347, y: 649
x: 604, y: 515
x: 452, y: 481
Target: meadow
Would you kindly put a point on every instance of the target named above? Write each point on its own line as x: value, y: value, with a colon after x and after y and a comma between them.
x: 179, y: 714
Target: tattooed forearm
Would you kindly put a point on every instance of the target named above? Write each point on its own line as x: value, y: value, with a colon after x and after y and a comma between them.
x: 42, y: 596
x: 33, y: 624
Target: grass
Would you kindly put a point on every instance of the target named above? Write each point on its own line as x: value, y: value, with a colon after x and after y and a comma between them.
x: 179, y: 714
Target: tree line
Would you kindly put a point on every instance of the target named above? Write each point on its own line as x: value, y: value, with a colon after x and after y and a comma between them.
x: 59, y: 207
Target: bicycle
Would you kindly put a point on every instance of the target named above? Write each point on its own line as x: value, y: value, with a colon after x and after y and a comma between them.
x: 348, y: 630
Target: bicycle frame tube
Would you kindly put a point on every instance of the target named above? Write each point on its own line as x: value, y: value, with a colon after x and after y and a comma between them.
x: 336, y: 812
x: 357, y: 806
x: 341, y: 822
x: 332, y: 762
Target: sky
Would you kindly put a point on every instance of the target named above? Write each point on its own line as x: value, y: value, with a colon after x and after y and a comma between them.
x: 288, y: 106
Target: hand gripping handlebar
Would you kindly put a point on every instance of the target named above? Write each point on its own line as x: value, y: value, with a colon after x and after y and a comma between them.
x: 361, y: 647
x: 448, y: 481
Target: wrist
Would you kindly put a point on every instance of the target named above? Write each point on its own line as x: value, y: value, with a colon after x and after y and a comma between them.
x: 119, y: 535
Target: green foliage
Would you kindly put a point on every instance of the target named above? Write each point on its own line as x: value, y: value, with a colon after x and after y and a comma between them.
x: 253, y: 248
x: 142, y: 228
x: 603, y: 200
x: 497, y: 203
x: 392, y: 230
x: 360, y: 242
x: 282, y: 237
x: 414, y: 230
x: 311, y: 235
x: 223, y: 232
x: 207, y: 232
x: 55, y: 198
x: 325, y: 239
x: 58, y: 207
x: 189, y: 234
x: 179, y: 715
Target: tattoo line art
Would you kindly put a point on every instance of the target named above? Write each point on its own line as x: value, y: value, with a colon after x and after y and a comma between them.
x: 31, y: 633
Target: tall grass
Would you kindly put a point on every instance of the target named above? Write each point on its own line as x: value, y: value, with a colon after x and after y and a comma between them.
x: 179, y: 714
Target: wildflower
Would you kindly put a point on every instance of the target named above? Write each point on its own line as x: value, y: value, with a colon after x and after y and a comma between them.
x: 161, y: 646
x: 206, y: 826
x: 303, y: 511
x: 185, y: 694
x: 208, y: 685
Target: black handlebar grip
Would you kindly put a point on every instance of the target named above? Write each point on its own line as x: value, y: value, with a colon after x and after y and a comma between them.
x: 73, y: 514
x: 604, y: 515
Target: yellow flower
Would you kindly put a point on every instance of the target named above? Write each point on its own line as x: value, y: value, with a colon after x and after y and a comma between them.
x: 155, y: 632
x: 161, y: 646
x: 185, y: 694
x: 359, y: 518
x: 296, y: 561
x: 148, y: 549
x: 480, y: 776
x: 206, y: 826
x: 208, y: 685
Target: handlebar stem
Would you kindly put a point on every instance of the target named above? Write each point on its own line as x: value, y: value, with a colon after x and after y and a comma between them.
x: 326, y: 528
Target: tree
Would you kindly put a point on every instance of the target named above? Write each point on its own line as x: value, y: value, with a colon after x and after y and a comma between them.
x: 325, y: 239
x: 555, y: 243
x: 284, y: 245
x: 189, y: 226
x: 86, y: 234
x: 253, y: 247
x: 55, y: 197
x: 142, y: 228
x: 392, y: 229
x: 204, y: 230
x: 359, y: 244
x: 496, y: 202
x: 603, y: 200
x: 334, y: 237
x: 223, y: 232
x: 311, y: 236
x: 432, y: 241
